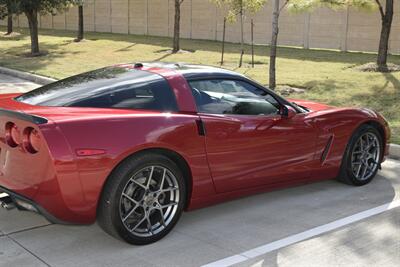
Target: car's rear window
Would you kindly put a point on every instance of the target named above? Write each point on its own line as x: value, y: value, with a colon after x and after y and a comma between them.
x: 111, y: 87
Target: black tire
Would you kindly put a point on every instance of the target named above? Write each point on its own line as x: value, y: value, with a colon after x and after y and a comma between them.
x: 109, y: 207
x: 346, y: 174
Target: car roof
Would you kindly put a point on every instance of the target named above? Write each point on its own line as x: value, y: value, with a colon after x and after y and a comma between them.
x: 191, y: 71
x: 195, y: 71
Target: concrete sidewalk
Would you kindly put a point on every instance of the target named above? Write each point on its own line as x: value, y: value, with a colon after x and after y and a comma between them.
x: 9, y: 84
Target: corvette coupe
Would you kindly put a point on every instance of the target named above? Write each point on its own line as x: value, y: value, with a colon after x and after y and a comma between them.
x: 134, y: 145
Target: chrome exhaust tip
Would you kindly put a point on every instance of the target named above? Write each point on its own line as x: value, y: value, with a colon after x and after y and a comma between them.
x: 7, y: 202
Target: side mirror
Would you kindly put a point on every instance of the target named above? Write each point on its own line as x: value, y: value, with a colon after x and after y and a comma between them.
x: 288, y: 112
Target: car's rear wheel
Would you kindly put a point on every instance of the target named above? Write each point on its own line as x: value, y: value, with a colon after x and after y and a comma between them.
x: 362, y: 157
x: 142, y: 199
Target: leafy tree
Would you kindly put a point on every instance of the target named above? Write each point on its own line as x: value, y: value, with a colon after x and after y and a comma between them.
x: 7, y: 9
x: 385, y: 8
x: 31, y: 8
x: 309, y: 5
x: 296, y: 5
x: 238, y: 8
x: 274, y: 43
x: 177, y: 22
x: 386, y: 21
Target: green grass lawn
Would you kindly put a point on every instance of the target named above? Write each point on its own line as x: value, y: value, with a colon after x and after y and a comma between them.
x: 327, y: 75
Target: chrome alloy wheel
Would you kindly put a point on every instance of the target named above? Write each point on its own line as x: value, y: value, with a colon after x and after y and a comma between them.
x: 149, y: 201
x: 365, y: 156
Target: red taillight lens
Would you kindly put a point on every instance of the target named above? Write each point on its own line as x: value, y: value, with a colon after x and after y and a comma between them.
x: 32, y: 140
x: 13, y: 135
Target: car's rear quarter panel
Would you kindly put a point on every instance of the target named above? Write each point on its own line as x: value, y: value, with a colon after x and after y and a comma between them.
x: 62, y: 194
x: 123, y: 136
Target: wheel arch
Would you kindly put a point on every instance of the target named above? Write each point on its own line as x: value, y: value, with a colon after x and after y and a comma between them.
x: 375, y: 124
x: 172, y: 155
x: 343, y: 176
x: 379, y: 127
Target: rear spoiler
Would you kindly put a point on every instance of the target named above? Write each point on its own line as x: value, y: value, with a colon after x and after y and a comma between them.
x: 23, y: 116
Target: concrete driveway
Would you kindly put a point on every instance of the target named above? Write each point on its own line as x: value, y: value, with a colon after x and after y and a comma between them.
x: 237, y: 232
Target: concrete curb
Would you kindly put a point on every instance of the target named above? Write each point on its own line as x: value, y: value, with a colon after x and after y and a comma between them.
x: 27, y: 76
x: 394, y: 151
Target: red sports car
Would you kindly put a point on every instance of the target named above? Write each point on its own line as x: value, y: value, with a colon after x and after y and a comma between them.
x: 134, y: 145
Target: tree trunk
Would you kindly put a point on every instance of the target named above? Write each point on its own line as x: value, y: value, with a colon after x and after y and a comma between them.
x: 33, y: 28
x: 9, y: 22
x: 176, y: 47
x: 241, y: 36
x: 274, y: 42
x: 252, y: 44
x: 223, y: 42
x: 80, y: 24
x: 387, y: 18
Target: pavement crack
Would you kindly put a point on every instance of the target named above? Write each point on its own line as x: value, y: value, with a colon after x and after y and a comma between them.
x: 27, y: 229
x: 30, y: 252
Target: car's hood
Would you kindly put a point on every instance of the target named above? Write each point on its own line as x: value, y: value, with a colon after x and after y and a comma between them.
x: 311, y: 105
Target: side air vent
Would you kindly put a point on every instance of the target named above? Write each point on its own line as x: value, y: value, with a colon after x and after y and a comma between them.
x: 201, y: 129
x: 327, y: 149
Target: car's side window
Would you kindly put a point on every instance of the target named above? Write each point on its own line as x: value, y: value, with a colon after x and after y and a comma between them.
x: 221, y: 96
x: 150, y: 95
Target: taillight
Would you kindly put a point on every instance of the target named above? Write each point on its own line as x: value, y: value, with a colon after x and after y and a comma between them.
x: 32, y: 140
x: 13, y: 135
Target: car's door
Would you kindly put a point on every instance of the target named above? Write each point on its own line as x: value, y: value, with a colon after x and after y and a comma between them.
x: 248, y: 142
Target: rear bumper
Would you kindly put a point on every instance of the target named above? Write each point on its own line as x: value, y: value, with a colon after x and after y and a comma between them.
x: 24, y: 203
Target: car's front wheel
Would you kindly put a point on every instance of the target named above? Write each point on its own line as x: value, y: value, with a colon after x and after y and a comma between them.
x: 362, y: 157
x: 142, y: 199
